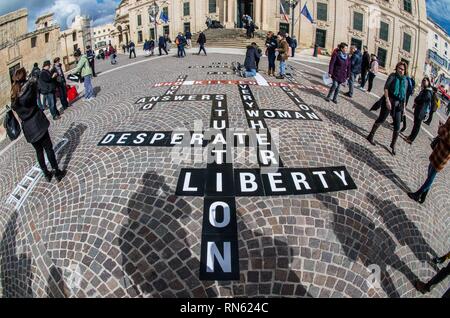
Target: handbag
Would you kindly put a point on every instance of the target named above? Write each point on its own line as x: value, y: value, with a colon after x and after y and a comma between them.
x: 435, y: 142
x: 11, y: 125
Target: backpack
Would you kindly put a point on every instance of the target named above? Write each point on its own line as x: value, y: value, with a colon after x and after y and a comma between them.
x: 11, y: 125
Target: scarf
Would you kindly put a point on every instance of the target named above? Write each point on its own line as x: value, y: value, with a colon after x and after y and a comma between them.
x: 400, y: 90
x: 342, y: 55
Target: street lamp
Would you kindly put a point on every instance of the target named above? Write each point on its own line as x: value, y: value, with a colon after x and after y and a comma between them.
x: 153, y: 11
x: 293, y: 5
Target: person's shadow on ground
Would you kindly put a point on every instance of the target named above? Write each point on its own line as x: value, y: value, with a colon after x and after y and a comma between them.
x: 361, y: 240
x: 366, y: 156
x: 16, y: 276
x: 73, y: 135
x: 339, y: 120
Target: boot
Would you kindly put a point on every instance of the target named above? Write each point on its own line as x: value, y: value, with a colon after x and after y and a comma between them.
x: 60, y: 174
x: 414, y: 196
x: 48, y: 175
x: 394, y: 141
x: 423, y: 196
x: 404, y: 124
x: 372, y: 133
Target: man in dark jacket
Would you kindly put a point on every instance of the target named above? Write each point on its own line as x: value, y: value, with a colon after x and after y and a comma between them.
x: 47, y: 88
x: 35, y: 72
x: 250, y: 61
x: 162, y: 45
x: 355, y: 66
x: 365, y: 66
x: 189, y: 38
x: 60, y: 82
x: 201, y: 42
x: 132, y: 49
x: 91, y: 58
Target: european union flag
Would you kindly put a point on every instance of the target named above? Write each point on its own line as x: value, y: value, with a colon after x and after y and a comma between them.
x: 163, y: 17
x: 306, y: 13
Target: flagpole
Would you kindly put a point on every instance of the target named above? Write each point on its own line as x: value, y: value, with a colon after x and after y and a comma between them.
x: 299, y: 25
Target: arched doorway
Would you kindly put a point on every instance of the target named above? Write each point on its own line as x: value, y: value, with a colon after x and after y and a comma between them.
x: 244, y: 7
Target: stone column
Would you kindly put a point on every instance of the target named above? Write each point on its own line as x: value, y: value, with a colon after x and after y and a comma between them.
x: 257, y: 13
x: 231, y: 5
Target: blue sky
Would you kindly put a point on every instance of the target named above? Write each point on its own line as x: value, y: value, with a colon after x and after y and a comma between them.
x: 102, y: 11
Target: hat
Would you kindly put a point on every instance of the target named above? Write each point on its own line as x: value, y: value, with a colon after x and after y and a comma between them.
x: 76, y: 53
x: 46, y: 63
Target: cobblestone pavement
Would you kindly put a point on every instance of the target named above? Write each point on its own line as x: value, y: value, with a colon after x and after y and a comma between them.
x: 114, y: 226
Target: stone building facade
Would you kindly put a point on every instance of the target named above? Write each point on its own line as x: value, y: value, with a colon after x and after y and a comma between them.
x: 101, y: 36
x: 19, y: 48
x: 437, y: 64
x: 78, y: 36
x: 393, y: 29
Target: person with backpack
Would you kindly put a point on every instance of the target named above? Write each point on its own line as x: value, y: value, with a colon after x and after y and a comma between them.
x: 132, y: 49
x: 162, y: 45
x: 60, y: 83
x: 355, y: 69
x: 47, y: 88
x: 180, y: 41
x: 438, y: 159
x: 435, y: 105
x: 339, y: 70
x: 86, y: 74
x: 35, y: 72
x: 283, y: 54
x: 91, y: 58
x: 271, y: 46
x: 393, y: 103
x: 421, y: 107
x: 34, y: 122
x: 201, y: 42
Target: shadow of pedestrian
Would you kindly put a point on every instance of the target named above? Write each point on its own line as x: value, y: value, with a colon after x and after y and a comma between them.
x: 73, y: 135
x: 156, y: 245
x: 361, y: 240
x: 405, y: 231
x: 56, y: 288
x: 97, y: 90
x: 366, y: 156
x: 339, y: 120
x: 15, y: 270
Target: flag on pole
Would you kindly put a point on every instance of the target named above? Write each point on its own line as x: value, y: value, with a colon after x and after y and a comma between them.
x: 306, y: 13
x: 163, y: 17
x: 284, y: 12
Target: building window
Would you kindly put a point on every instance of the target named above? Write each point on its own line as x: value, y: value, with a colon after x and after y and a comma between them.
x: 384, y: 31
x: 406, y: 42
x: 382, y: 57
x: 321, y: 37
x: 358, y: 21
x: 74, y: 36
x: 435, y: 45
x: 187, y: 27
x: 357, y: 43
x: 446, y: 45
x: 407, y: 6
x: 186, y: 8
x: 166, y: 29
x: 284, y: 27
x: 47, y: 37
x: 152, y: 33
x: 286, y: 7
x: 212, y: 6
x: 139, y: 36
x: 75, y: 47
x: 436, y: 37
x: 33, y: 41
x: 139, y: 21
x: 322, y: 11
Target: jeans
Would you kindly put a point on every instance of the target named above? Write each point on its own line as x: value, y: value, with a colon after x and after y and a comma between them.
x: 334, y: 89
x: 282, y: 68
x: 371, y: 78
x: 88, y: 89
x: 202, y: 48
x: 351, y: 83
x: 132, y: 51
x: 63, y: 95
x: 432, y: 172
x: 45, y: 143
x: 49, y: 100
x: 250, y: 73
x: 271, y: 56
x: 396, y: 113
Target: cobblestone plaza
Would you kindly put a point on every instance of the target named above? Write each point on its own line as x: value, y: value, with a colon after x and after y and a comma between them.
x: 130, y: 220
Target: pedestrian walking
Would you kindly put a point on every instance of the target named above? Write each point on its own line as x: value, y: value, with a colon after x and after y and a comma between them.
x: 271, y: 46
x: 146, y: 47
x: 162, y: 45
x: 294, y: 45
x: 435, y: 105
x: 438, y: 159
x: 35, y: 72
x: 189, y: 39
x: 168, y: 42
x: 86, y: 74
x: 409, y: 93
x: 132, y: 49
x: 201, y: 42
x: 47, y: 87
x: 373, y: 71
x: 152, y: 47
x: 283, y: 54
x: 124, y: 48
x: 91, y: 58
x: 180, y: 41
x: 339, y: 70
x: 34, y: 122
x: 438, y: 278
x: 365, y: 66
x: 60, y: 83
x: 422, y: 104
x: 393, y: 103
x: 250, y: 61
x: 355, y: 68
x: 112, y: 52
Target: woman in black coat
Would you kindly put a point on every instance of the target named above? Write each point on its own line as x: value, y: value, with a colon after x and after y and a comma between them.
x: 34, y: 122
x: 421, y: 106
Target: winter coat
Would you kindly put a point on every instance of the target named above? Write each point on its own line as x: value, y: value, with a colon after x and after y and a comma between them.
x: 271, y: 44
x: 365, y: 63
x: 201, y: 39
x: 90, y: 55
x: 34, y: 122
x: 373, y: 67
x: 83, y: 66
x: 356, y: 61
x: 339, y: 68
x: 146, y: 46
x: 294, y: 44
x: 161, y: 41
x: 132, y: 45
x: 35, y: 72
x: 250, y: 58
x: 422, y: 103
x: 188, y: 35
x: 60, y: 80
x: 47, y: 84
x: 441, y: 153
x: 283, y: 51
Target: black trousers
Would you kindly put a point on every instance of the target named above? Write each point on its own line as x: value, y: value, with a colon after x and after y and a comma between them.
x: 363, y: 77
x: 416, y: 128
x: 132, y: 51
x: 397, y: 114
x: 45, y: 143
x: 430, y: 117
x: 202, y: 48
x: 164, y: 48
x: 92, y: 65
x: 371, y: 78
